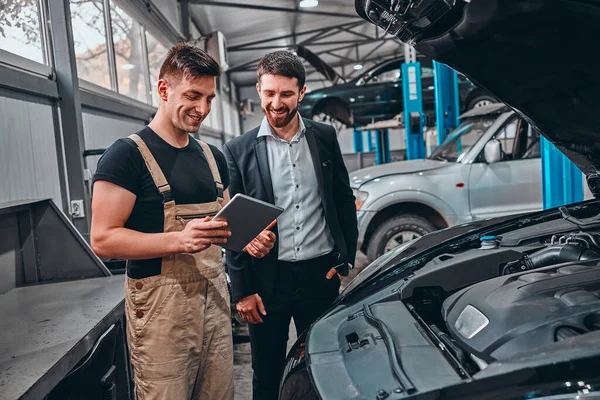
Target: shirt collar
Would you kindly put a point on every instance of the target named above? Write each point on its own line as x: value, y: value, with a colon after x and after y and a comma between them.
x: 265, y: 129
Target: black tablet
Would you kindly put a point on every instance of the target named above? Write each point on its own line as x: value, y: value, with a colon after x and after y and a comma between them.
x: 246, y: 217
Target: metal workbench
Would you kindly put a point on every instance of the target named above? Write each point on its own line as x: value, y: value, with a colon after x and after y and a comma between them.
x: 57, y: 300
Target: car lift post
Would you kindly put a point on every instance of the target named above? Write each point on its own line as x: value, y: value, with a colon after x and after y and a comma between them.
x: 445, y: 82
x: 382, y: 146
x: 369, y: 141
x: 358, y: 141
x: 562, y: 181
x: 413, y: 105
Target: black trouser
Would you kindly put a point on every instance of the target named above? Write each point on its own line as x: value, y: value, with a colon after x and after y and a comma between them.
x: 301, y: 292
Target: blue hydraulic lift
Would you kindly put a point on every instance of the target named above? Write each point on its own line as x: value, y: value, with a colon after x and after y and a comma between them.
x: 358, y: 141
x: 562, y: 181
x: 381, y: 146
x: 445, y: 82
x: 413, y: 105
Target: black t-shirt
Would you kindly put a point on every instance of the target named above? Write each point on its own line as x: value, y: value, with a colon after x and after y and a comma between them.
x: 186, y: 170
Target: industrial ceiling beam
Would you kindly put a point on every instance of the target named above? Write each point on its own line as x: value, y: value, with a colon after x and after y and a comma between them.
x: 270, y: 8
x: 321, y: 35
x: 242, y: 67
x: 338, y: 56
x: 348, y: 30
x: 309, y: 32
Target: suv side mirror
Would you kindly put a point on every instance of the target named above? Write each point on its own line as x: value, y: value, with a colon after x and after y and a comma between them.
x: 493, y: 151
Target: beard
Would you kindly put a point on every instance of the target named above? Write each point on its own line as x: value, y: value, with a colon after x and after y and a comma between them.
x: 281, y: 120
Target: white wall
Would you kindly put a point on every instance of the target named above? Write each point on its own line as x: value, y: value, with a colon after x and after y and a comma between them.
x: 346, y: 139
x: 101, y: 130
x: 28, y: 151
x: 251, y: 121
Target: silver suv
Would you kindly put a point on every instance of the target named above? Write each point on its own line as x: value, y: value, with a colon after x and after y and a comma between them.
x: 488, y: 166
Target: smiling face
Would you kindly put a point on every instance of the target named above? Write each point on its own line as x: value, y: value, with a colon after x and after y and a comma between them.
x: 188, y: 101
x: 279, y: 98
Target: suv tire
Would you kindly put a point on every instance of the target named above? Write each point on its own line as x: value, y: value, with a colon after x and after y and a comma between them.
x: 411, y: 224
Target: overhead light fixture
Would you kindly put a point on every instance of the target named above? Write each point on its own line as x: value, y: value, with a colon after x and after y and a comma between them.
x: 357, y: 67
x: 128, y: 66
x: 308, y: 3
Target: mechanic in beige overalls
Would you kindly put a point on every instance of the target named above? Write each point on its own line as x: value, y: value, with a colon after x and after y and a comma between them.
x: 183, y: 314
x: 153, y: 197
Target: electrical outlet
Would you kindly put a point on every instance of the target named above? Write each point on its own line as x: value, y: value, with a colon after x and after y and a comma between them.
x: 77, y: 209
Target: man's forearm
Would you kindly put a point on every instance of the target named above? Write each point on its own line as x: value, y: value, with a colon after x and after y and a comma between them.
x: 127, y: 244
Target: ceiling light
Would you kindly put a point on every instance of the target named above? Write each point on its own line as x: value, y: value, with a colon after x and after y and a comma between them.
x: 308, y: 3
x: 357, y: 67
x: 128, y: 66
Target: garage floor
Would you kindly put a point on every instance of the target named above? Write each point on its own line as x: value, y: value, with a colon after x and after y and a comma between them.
x: 242, y: 369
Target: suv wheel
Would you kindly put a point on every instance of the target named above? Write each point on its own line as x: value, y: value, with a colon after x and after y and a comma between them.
x: 396, y: 231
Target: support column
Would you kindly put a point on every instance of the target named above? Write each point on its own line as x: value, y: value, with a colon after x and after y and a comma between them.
x: 358, y: 141
x: 446, y: 100
x: 413, y: 105
x: 370, y: 146
x: 562, y: 181
x: 185, y: 18
x: 70, y: 113
x: 382, y: 147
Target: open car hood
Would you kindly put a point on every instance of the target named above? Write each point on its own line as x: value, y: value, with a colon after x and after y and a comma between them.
x: 537, y: 56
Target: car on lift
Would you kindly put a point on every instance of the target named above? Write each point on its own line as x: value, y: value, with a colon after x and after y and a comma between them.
x: 461, y: 181
x: 376, y: 95
x: 499, y: 308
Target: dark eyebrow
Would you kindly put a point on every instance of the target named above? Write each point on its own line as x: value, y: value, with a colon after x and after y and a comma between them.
x: 197, y: 93
x: 285, y: 92
x: 193, y: 92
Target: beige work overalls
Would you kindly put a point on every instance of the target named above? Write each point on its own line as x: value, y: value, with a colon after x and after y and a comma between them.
x: 178, y: 322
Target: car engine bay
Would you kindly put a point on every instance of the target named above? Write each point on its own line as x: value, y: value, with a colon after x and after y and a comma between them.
x: 527, y: 289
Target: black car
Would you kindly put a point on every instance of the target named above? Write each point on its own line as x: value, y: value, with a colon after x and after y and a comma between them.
x: 505, y: 308
x: 376, y: 95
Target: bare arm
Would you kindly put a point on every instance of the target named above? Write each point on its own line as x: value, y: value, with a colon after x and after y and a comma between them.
x: 112, y: 206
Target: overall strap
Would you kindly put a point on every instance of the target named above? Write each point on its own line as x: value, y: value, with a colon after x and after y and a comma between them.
x: 213, y: 169
x: 157, y: 175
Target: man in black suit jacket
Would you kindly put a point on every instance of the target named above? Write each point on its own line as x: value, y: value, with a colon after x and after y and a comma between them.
x: 297, y: 164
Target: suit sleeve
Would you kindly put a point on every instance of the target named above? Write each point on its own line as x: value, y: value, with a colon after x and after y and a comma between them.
x: 344, y: 200
x: 238, y: 264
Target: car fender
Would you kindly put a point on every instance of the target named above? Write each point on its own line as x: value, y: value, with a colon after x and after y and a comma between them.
x: 413, y: 196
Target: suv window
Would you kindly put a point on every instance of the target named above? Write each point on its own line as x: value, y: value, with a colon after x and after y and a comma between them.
x: 519, y: 141
x: 460, y: 140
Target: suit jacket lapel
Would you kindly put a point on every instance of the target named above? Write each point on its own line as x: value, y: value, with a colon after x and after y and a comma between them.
x: 314, y: 152
x: 262, y: 159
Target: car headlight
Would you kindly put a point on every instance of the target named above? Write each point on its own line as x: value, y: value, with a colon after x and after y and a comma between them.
x: 360, y: 198
x: 295, y: 381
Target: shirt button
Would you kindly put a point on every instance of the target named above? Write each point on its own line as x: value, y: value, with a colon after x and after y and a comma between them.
x: 294, y: 165
x: 298, y: 249
x: 297, y: 207
x: 297, y: 186
x: 139, y: 314
x: 297, y: 228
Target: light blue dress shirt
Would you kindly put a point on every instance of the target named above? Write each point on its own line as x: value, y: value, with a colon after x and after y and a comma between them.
x: 303, y: 232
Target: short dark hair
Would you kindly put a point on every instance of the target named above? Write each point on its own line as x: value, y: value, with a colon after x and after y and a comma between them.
x: 187, y: 60
x: 283, y: 63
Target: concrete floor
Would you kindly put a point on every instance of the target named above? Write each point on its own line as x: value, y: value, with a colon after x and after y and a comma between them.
x: 242, y: 369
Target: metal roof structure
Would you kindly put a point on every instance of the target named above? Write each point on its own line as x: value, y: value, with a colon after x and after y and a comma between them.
x: 332, y: 30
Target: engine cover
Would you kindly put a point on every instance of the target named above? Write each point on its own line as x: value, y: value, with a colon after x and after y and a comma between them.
x: 508, y: 315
